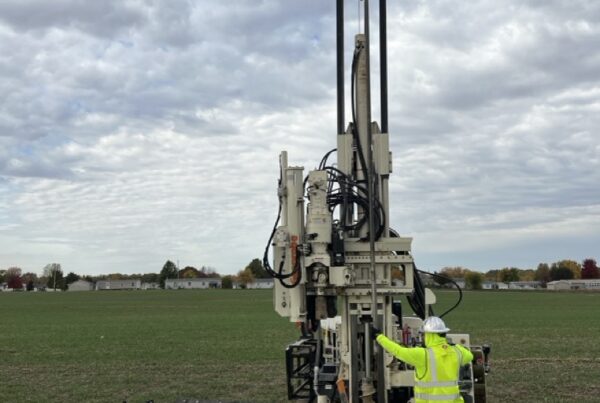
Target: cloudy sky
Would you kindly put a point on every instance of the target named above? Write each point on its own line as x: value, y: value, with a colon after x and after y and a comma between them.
x: 132, y: 132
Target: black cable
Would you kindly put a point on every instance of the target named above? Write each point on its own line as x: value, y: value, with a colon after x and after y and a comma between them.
x: 460, y: 293
x: 361, y: 156
x: 324, y: 159
x: 345, y: 193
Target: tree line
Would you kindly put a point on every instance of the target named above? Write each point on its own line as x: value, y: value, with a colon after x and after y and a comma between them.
x: 544, y: 273
x: 53, y: 276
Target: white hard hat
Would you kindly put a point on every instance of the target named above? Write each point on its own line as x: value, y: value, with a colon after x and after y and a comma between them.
x: 433, y: 324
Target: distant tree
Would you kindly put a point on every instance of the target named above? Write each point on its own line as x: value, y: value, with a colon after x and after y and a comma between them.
x: 509, y: 274
x: 71, y: 278
x: 257, y: 269
x: 227, y: 281
x: 2, y: 273
x: 590, y: 269
x: 441, y: 279
x: 54, y: 273
x: 526, y: 275
x: 245, y: 277
x: 169, y: 270
x: 454, y: 272
x: 150, y: 278
x: 542, y: 273
x: 208, y: 271
x: 13, y: 279
x: 559, y: 272
x: 492, y: 275
x: 30, y: 280
x: 397, y: 273
x: 571, y: 265
x: 473, y: 280
x: 189, y: 272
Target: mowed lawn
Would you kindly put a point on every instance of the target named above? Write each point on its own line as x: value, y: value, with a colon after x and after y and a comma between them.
x: 228, y: 345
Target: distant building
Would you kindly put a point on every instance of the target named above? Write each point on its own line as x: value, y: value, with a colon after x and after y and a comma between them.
x: 577, y: 284
x: 131, y: 284
x: 192, y: 283
x: 489, y: 285
x: 260, y: 283
x: 81, y: 285
x: 150, y: 286
x: 559, y: 285
x: 524, y: 285
x: 460, y: 281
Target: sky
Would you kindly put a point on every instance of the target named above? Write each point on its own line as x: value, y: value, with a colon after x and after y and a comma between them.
x: 132, y: 132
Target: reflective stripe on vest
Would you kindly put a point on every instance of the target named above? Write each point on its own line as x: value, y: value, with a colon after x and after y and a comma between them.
x: 426, y: 396
x: 434, y: 384
x: 432, y: 366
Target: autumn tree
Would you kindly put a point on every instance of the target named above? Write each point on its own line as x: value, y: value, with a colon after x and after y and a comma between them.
x: 473, y: 280
x: 257, y: 269
x: 542, y: 273
x: 189, y: 272
x: 169, y: 270
x: 454, y: 272
x: 571, y: 265
x: 559, y: 272
x: 492, y: 275
x: 527, y: 275
x: 590, y: 269
x: 397, y: 273
x: 245, y: 277
x: 13, y: 279
x: 509, y: 274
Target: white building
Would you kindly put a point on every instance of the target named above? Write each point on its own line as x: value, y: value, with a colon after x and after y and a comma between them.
x: 524, y: 285
x: 261, y: 283
x: 192, y: 283
x: 489, y: 285
x: 578, y: 284
x: 150, y: 286
x: 131, y: 284
x: 81, y: 285
x: 559, y: 285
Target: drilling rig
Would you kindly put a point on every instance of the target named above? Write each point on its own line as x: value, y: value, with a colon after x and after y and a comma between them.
x: 334, y: 253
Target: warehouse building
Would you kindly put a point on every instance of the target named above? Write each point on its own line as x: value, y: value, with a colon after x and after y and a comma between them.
x: 192, y: 283
x: 81, y: 285
x: 131, y: 284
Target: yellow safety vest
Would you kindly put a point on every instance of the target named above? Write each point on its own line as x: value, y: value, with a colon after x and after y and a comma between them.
x: 440, y: 381
x: 436, y: 367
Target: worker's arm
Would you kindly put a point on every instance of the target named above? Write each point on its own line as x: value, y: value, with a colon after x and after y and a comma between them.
x: 467, y: 355
x: 414, y: 356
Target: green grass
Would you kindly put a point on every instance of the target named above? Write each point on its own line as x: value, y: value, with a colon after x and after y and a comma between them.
x: 229, y: 345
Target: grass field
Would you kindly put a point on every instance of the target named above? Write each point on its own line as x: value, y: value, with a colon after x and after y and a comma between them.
x: 228, y: 345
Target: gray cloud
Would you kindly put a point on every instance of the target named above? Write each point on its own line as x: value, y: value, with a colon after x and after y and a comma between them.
x: 132, y: 132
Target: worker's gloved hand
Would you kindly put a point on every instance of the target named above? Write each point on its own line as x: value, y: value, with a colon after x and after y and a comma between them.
x: 374, y: 332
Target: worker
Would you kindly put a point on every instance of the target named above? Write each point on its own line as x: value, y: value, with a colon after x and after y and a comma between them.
x: 437, y: 365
